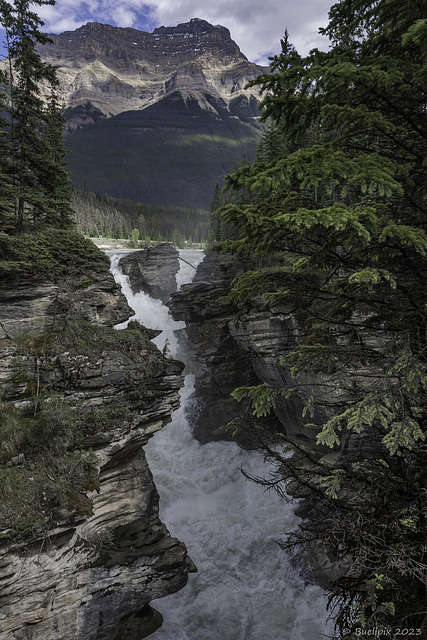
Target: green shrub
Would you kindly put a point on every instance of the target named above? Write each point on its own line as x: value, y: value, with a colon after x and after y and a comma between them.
x: 53, y: 254
x: 51, y: 483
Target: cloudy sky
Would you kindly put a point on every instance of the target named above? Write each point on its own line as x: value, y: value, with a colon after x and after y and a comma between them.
x: 256, y: 26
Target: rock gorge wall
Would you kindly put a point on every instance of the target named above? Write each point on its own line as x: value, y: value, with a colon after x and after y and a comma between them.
x: 234, y: 347
x: 92, y: 575
x: 152, y: 270
x: 218, y: 362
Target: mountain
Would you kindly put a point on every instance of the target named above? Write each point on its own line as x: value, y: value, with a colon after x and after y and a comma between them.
x: 156, y: 117
x: 120, y: 70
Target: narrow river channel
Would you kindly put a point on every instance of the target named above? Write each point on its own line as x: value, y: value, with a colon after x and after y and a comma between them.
x: 246, y: 587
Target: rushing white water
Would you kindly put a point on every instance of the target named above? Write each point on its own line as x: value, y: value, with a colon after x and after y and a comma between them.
x: 246, y: 587
x: 149, y: 311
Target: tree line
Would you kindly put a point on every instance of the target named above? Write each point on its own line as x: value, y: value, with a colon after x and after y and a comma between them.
x: 101, y: 214
x: 332, y: 216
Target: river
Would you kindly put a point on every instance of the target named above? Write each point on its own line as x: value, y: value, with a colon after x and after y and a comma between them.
x: 246, y: 587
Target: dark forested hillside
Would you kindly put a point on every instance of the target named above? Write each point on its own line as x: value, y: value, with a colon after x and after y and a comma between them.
x: 114, y: 218
x: 171, y: 154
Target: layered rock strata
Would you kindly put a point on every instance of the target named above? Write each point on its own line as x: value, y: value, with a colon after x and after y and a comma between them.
x: 219, y: 362
x: 115, y: 70
x: 152, y: 270
x: 93, y: 573
x: 235, y: 345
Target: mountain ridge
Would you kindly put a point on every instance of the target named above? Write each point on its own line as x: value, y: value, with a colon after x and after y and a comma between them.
x: 119, y: 69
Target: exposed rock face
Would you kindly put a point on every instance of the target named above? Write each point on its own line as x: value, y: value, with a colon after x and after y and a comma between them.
x: 220, y: 364
x: 93, y: 575
x: 118, y: 70
x: 267, y: 336
x: 56, y: 590
x: 36, y: 305
x: 152, y: 270
x: 235, y: 346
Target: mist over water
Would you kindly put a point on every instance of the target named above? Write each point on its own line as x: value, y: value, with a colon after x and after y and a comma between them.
x: 246, y: 587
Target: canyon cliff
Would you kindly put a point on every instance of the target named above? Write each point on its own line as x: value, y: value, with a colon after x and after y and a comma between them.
x: 82, y: 549
x: 235, y: 346
x: 219, y: 363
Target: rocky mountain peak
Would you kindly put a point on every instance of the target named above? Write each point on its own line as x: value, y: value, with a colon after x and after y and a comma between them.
x: 195, y: 25
x: 126, y: 45
x: 123, y: 69
x: 197, y: 28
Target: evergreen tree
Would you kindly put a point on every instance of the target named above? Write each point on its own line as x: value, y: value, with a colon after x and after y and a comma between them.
x: 344, y: 211
x: 215, y: 222
x: 34, y: 130
x: 6, y: 178
x: 54, y: 177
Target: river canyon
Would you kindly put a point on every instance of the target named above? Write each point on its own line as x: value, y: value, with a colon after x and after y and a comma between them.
x: 246, y: 587
x: 168, y: 526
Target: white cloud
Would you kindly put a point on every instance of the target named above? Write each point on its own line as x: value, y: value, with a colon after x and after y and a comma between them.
x: 256, y: 26
x: 123, y: 16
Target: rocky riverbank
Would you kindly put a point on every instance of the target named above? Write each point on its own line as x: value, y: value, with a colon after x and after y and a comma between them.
x: 82, y: 548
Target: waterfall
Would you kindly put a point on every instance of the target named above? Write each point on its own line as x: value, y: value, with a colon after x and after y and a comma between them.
x: 246, y: 587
